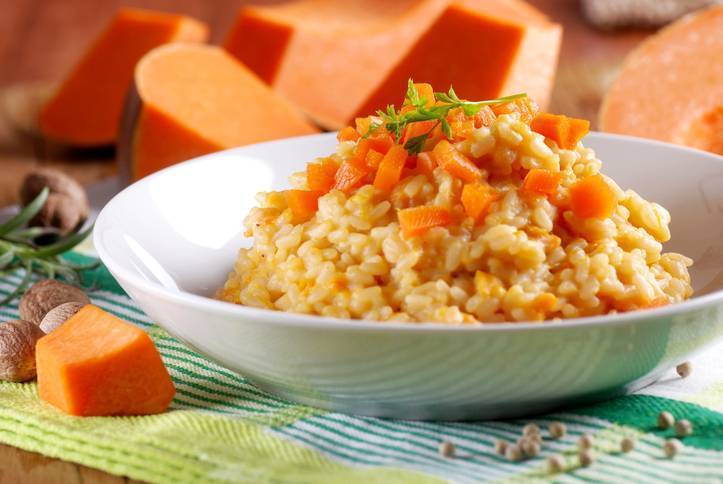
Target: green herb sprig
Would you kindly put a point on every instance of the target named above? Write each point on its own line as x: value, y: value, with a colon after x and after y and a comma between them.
x: 19, y: 249
x: 395, y: 121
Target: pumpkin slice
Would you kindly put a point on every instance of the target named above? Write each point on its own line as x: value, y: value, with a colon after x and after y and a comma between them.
x: 86, y: 109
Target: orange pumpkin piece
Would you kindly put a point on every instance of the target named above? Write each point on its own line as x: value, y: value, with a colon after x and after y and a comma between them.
x: 592, y: 197
x: 86, y: 109
x: 671, y: 86
x: 380, y: 140
x: 476, y: 199
x: 303, y: 204
x: 359, y: 158
x: 320, y: 175
x: 350, y: 176
x: 363, y: 125
x: 98, y: 365
x: 336, y: 59
x: 374, y: 158
x: 390, y: 169
x: 527, y: 108
x: 347, y: 134
x: 456, y: 163
x: 189, y: 100
x: 417, y: 220
x: 564, y: 131
x: 539, y: 181
x: 423, y: 127
x: 426, y: 92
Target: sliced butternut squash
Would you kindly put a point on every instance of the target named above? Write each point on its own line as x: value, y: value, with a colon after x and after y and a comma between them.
x: 671, y: 87
x: 190, y: 100
x: 86, y: 109
x: 338, y: 59
x: 95, y: 364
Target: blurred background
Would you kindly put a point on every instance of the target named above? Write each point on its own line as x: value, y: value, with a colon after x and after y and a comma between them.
x: 41, y: 39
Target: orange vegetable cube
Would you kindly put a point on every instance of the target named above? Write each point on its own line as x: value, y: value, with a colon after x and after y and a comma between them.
x: 564, y: 131
x: 320, y: 176
x: 347, y: 134
x: 390, y: 168
x: 373, y: 159
x: 350, y: 176
x: 419, y: 128
x: 577, y: 129
x: 417, y: 220
x: 592, y: 197
x: 95, y: 364
x: 541, y: 182
x: 363, y: 125
x: 527, y: 108
x: 476, y: 199
x: 303, y: 204
x: 360, y: 153
x: 456, y: 163
x: 380, y: 140
x: 426, y: 92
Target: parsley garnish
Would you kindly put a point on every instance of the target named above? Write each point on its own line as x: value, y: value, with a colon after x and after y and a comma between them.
x: 395, y: 121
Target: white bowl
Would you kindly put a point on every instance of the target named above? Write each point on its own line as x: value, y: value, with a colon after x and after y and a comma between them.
x: 171, y: 239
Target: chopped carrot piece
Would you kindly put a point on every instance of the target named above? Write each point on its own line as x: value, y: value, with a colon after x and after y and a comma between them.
x: 390, y: 169
x: 462, y: 129
x: 484, y: 117
x: 417, y: 220
x: 527, y: 108
x: 476, y: 199
x: 320, y: 176
x: 350, y: 176
x: 95, y: 364
x: 363, y: 125
x: 360, y: 153
x: 592, y: 197
x: 456, y: 114
x: 455, y: 162
x: 422, y: 127
x: 541, y: 182
x: 564, y: 131
x: 425, y: 92
x: 425, y: 164
x: 577, y: 129
x: 373, y: 159
x: 347, y: 134
x: 552, y: 126
x: 380, y: 140
x: 303, y: 204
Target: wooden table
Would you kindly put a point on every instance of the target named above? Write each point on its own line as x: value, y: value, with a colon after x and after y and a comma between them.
x: 39, y: 39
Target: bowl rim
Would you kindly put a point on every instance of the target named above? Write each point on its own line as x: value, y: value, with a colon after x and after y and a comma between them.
x: 282, y: 318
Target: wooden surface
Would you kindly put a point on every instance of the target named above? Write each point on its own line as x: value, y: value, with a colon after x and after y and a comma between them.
x: 18, y: 466
x: 40, y: 39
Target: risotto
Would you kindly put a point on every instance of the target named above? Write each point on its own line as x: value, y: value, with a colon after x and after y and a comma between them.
x: 457, y: 212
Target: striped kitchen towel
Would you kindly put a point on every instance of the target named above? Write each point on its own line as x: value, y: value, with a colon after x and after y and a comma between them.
x: 220, y: 428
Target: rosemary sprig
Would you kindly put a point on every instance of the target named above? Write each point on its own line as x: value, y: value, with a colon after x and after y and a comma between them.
x: 19, y: 249
x: 396, y: 121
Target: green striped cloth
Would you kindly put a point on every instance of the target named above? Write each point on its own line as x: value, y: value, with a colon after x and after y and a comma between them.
x: 221, y: 428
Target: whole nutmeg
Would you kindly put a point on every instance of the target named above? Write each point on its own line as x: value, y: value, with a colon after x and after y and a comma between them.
x: 46, y: 295
x: 17, y: 350
x: 58, y: 315
x: 67, y: 204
